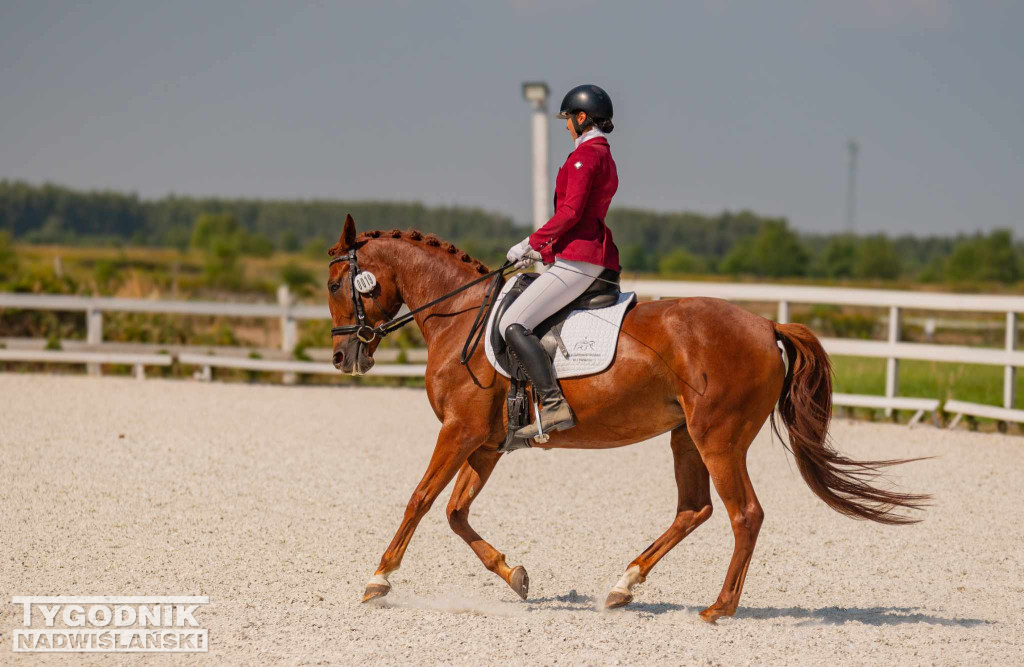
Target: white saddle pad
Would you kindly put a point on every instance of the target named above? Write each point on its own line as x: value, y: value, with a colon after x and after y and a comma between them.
x: 590, y: 336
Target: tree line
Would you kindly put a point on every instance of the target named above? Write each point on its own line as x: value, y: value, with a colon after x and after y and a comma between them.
x: 670, y: 244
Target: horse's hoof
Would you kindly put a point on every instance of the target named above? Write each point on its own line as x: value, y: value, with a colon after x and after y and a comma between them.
x: 617, y: 599
x: 374, y: 591
x: 519, y: 581
x: 712, y: 614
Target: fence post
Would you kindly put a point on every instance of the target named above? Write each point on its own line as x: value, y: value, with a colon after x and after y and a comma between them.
x: 783, y: 312
x: 289, y: 330
x: 93, y: 335
x: 892, y: 364
x: 1010, y: 372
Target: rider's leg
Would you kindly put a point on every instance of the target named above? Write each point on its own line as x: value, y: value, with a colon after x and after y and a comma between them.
x: 555, y: 413
x: 552, y: 290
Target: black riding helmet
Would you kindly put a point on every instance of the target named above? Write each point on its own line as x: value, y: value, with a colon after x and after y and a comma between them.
x: 593, y: 101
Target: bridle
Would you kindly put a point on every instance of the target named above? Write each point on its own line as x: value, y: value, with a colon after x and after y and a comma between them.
x: 366, y: 334
x: 361, y: 330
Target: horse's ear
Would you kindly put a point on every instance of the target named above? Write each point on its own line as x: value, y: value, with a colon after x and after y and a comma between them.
x: 347, y: 238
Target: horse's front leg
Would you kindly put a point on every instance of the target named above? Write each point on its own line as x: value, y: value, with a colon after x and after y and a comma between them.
x: 453, y: 446
x: 468, y: 485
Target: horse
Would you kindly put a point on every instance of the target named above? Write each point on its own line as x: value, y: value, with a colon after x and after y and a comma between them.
x: 709, y: 372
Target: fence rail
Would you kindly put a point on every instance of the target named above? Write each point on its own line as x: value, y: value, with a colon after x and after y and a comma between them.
x: 896, y: 302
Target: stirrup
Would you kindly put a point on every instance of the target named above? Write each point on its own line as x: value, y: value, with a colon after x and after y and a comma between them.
x: 541, y: 436
x: 543, y: 431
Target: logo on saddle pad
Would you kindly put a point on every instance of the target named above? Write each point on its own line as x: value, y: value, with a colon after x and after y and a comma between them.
x: 584, y: 345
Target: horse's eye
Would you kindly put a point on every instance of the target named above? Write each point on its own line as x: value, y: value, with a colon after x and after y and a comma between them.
x: 334, y: 287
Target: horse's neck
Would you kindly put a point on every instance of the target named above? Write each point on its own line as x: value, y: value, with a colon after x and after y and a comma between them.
x: 430, y: 276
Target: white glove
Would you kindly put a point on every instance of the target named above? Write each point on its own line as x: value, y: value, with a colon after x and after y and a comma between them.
x: 521, y: 254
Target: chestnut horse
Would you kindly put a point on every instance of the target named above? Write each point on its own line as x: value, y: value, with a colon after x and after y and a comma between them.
x: 708, y: 371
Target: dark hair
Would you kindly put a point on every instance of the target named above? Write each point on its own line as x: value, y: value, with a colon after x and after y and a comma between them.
x: 604, y: 124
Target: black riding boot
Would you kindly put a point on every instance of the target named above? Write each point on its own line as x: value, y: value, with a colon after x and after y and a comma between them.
x: 555, y: 414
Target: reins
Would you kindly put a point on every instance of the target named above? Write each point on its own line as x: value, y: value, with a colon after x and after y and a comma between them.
x: 483, y: 315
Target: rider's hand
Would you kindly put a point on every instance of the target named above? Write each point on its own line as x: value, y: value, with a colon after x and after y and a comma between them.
x: 522, y: 254
x: 529, y: 257
x: 516, y: 252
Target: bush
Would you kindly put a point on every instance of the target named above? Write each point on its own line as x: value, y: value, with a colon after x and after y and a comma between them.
x: 256, y: 245
x: 776, y: 251
x: 635, y: 257
x: 316, y: 248
x: 8, y: 258
x: 837, y: 259
x: 297, y: 277
x: 991, y: 258
x: 680, y: 261
x: 220, y: 266
x: 211, y: 228
x: 832, y: 321
x: 104, y: 273
x: 877, y: 258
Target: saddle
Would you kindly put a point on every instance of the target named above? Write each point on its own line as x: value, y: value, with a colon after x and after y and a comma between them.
x: 603, y: 292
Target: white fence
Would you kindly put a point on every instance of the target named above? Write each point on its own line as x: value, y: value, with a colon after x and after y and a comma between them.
x: 892, y: 350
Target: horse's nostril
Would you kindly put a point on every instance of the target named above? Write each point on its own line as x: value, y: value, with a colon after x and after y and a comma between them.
x: 338, y: 357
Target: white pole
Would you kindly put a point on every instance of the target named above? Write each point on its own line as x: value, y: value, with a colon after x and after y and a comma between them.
x: 1010, y: 372
x: 541, y: 204
x: 537, y: 94
x: 892, y: 364
x: 94, y: 336
x: 783, y: 312
x: 289, y: 330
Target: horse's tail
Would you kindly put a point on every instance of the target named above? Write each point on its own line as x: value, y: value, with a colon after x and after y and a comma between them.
x: 806, y: 408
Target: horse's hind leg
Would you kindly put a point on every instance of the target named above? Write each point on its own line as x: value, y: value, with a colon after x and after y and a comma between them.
x: 468, y: 484
x: 725, y: 454
x: 692, y: 509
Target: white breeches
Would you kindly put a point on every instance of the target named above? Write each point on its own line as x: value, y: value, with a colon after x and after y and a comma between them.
x: 552, y: 290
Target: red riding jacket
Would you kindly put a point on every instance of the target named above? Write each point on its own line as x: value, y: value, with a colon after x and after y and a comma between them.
x: 583, y: 190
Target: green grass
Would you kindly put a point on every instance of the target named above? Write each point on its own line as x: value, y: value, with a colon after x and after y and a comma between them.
x: 926, y: 379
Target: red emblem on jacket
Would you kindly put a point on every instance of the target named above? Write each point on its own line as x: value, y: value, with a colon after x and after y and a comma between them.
x: 583, y: 191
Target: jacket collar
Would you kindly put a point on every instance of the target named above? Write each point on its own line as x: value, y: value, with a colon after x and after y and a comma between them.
x: 598, y: 141
x: 592, y: 133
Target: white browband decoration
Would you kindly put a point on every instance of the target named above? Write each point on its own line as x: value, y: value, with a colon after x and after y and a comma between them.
x: 365, y: 282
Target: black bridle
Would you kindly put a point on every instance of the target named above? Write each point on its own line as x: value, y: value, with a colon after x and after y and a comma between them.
x: 361, y: 330
x: 366, y: 334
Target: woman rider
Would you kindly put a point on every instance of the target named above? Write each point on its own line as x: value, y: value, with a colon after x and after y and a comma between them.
x: 575, y: 241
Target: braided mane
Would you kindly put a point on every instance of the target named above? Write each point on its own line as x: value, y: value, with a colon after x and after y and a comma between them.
x: 429, y: 240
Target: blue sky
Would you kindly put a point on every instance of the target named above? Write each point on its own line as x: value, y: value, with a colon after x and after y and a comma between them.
x: 719, y: 105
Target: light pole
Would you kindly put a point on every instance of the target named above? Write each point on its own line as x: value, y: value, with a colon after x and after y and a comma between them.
x: 851, y: 186
x: 536, y: 93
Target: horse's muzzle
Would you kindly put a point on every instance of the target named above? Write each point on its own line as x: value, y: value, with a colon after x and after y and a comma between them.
x: 350, y: 363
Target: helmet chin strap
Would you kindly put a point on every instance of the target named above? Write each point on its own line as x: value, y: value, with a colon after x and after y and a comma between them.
x: 580, y: 129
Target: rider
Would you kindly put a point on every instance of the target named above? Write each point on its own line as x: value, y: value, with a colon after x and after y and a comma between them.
x: 575, y: 241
